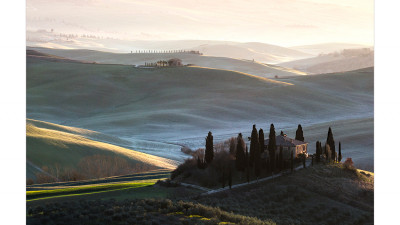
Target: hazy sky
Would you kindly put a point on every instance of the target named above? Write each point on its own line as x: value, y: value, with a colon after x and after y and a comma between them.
x: 281, y: 22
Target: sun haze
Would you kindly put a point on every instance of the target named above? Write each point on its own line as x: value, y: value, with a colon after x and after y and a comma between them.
x: 283, y: 22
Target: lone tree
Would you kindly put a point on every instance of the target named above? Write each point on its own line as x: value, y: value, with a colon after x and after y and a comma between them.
x: 209, y: 154
x: 331, y: 142
x: 261, y: 140
x: 299, y: 133
x: 240, y: 161
x: 254, y: 145
x: 272, y: 147
x: 340, y: 152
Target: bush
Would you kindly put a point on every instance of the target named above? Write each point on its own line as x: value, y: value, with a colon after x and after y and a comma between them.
x: 348, y: 164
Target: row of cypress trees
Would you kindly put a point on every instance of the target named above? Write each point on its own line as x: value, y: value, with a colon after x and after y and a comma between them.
x: 329, y: 150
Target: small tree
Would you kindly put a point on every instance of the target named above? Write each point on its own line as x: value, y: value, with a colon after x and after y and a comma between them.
x: 254, y: 145
x: 348, y: 164
x: 209, y: 154
x: 340, y: 152
x: 272, y: 147
x: 299, y: 133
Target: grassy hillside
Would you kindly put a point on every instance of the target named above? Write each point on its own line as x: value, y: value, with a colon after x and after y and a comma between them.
x: 228, y: 63
x: 333, y: 62
x: 157, y: 110
x: 322, y: 194
x: 63, y: 148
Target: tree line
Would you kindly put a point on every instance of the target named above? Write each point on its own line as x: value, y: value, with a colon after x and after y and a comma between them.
x: 168, y: 51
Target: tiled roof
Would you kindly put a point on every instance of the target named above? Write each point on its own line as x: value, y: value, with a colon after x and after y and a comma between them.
x: 286, y: 141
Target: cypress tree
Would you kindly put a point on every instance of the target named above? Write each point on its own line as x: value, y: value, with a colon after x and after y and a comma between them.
x: 340, y: 152
x: 331, y: 142
x: 209, y: 154
x: 257, y: 161
x: 240, y: 155
x: 261, y: 140
x: 254, y: 145
x: 299, y: 133
x: 272, y: 147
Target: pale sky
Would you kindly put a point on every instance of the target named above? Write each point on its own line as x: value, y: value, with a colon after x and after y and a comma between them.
x: 281, y: 22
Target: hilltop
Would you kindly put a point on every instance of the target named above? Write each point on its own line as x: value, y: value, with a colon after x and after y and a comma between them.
x: 340, y: 61
x: 326, y: 48
x: 225, y: 63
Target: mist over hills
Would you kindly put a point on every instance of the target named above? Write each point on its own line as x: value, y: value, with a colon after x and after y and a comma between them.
x: 158, y: 110
x: 245, y: 66
x: 339, y: 61
x: 326, y: 48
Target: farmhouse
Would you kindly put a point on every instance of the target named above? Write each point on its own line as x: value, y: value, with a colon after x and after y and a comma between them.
x: 288, y: 144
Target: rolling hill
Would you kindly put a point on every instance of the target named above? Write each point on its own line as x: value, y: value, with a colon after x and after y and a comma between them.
x: 346, y: 60
x: 325, y: 48
x: 159, y: 110
x: 265, y: 53
x: 52, y: 145
x: 260, y: 52
x: 241, y: 65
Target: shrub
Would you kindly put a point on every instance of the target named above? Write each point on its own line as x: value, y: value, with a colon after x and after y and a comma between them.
x: 348, y: 164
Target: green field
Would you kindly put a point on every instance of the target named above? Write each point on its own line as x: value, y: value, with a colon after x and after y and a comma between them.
x: 90, y: 189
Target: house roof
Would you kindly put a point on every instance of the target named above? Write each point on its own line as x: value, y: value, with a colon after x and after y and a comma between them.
x: 286, y: 141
